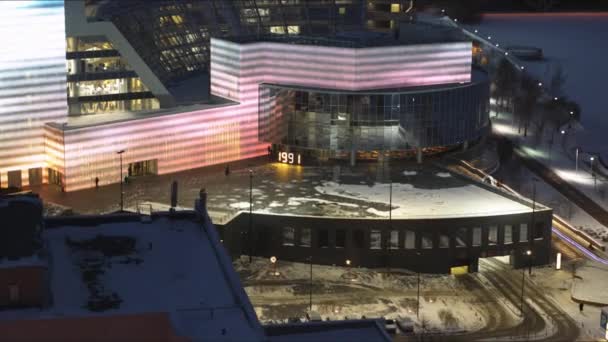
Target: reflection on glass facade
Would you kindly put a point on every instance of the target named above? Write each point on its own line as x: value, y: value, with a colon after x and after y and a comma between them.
x: 173, y: 36
x: 391, y: 120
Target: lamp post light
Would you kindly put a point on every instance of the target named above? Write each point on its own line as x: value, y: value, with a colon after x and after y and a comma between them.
x: 523, y: 282
x: 310, y: 288
x: 250, y: 233
x: 273, y: 261
x: 576, y: 158
x: 418, y: 291
x: 592, y: 158
x: 121, y: 181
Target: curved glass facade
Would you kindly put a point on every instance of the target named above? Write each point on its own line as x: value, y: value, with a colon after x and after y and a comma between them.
x: 372, y: 121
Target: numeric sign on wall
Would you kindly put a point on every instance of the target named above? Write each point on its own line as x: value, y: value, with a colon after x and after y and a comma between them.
x: 290, y: 158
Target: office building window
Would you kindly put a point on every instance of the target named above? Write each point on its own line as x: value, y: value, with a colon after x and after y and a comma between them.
x: 508, y: 234
x: 305, y: 237
x: 410, y: 239
x: 323, y: 238
x: 444, y: 241
x: 461, y: 238
x: 477, y: 236
x: 289, y: 234
x: 359, y: 238
x: 375, y: 239
x: 493, y: 235
x: 340, y: 238
x: 523, y: 232
x: 394, y: 240
x: 427, y: 241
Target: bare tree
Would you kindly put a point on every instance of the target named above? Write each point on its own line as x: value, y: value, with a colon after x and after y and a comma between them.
x: 558, y: 79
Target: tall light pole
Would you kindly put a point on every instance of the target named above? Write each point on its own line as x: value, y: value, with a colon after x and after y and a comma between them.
x: 121, y: 180
x: 310, y: 292
x: 532, y: 228
x: 523, y: 282
x: 576, y: 159
x: 593, y: 173
x: 250, y: 233
x: 418, y: 293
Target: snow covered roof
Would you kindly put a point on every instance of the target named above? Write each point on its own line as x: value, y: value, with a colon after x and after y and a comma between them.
x: 173, y: 265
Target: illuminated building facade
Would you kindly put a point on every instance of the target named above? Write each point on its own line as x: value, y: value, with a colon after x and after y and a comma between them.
x: 32, y: 86
x: 98, y: 95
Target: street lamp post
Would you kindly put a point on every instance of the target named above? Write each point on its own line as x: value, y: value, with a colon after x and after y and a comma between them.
x: 310, y: 292
x: 121, y: 180
x: 523, y: 282
x: 576, y: 159
x: 532, y: 228
x: 250, y: 234
x: 593, y: 173
x: 418, y: 292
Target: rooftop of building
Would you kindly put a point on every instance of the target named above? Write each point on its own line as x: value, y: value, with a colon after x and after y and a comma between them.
x: 415, y: 33
x: 189, y: 105
x: 113, y: 265
x: 419, y: 192
x: 477, y: 76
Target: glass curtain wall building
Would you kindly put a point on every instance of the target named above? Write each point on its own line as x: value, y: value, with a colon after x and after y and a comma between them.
x: 173, y: 36
x: 398, y: 120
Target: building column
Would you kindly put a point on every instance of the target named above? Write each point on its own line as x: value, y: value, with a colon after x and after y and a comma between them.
x: 465, y: 145
x: 353, y: 157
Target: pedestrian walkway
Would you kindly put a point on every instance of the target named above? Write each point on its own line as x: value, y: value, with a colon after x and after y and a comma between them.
x: 549, y: 155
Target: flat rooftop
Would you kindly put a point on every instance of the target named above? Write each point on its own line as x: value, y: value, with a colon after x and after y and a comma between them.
x: 84, y: 121
x: 409, y: 34
x: 417, y: 193
x: 130, y: 267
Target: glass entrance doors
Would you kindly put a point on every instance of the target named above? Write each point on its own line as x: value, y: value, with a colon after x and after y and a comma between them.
x: 143, y: 168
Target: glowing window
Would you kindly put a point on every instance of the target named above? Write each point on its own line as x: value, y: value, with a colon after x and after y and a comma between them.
x: 293, y: 29
x: 493, y: 235
x: 523, y: 232
x: 277, y: 29
x: 508, y: 231
x: 375, y: 239
x: 177, y: 19
x: 394, y: 239
x: 342, y: 10
x: 395, y: 8
x: 476, y: 236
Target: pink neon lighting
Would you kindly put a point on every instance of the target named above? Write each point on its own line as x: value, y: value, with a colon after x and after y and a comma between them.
x: 198, y: 138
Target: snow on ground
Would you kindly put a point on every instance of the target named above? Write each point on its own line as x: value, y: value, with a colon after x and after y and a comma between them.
x: 582, y: 59
x: 592, y: 284
x: 341, y: 292
x: 558, y: 284
x: 560, y: 157
x: 240, y: 205
x: 410, y: 173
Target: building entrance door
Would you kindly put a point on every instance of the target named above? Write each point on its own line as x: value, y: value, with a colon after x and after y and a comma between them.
x: 55, y: 177
x: 14, y: 179
x: 35, y: 176
x: 143, y: 168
